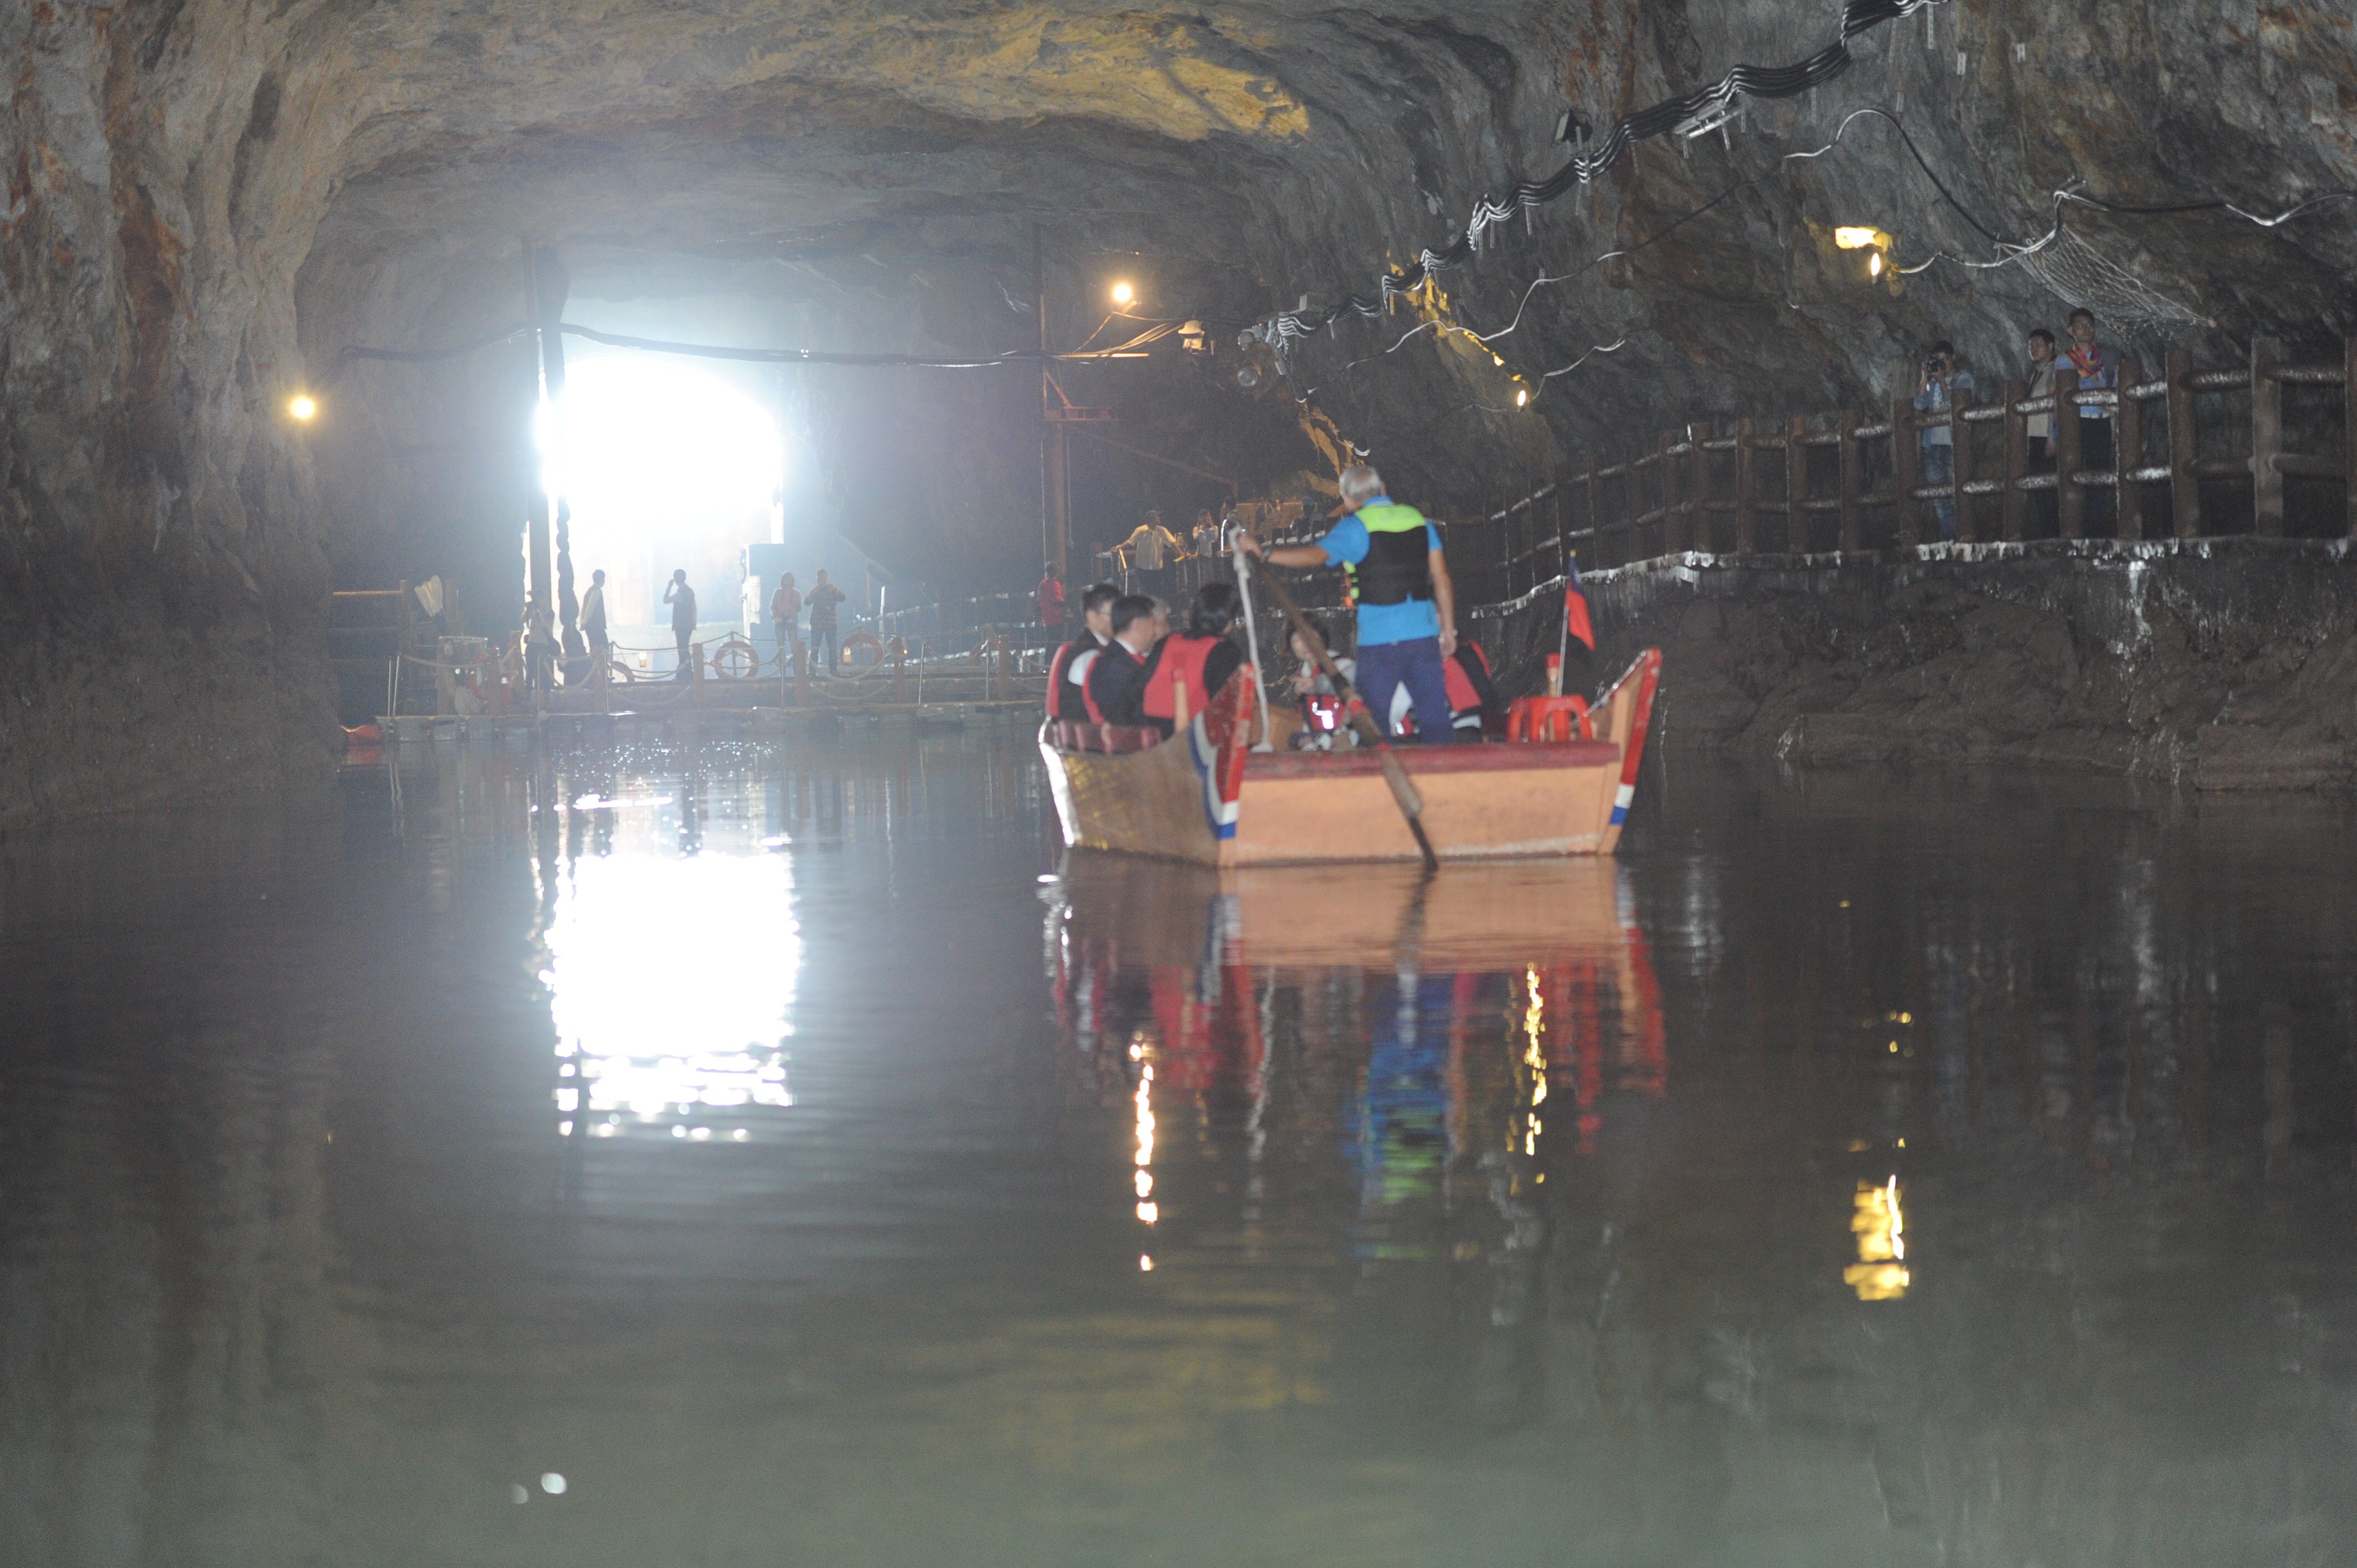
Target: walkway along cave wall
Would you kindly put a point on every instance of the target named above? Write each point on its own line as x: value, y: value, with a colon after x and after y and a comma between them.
x: 2224, y: 663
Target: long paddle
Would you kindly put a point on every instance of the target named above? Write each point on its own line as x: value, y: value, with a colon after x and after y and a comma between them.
x: 1404, y: 795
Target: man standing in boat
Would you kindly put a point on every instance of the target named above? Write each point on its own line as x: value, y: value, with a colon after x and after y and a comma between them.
x: 1407, y: 608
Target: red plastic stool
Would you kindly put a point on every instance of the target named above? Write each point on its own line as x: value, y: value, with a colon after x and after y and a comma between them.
x: 1549, y: 718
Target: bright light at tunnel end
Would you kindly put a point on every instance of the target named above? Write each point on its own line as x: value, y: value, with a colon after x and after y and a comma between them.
x: 302, y: 406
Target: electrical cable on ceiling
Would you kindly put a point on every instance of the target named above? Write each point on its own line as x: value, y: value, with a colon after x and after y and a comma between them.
x: 1692, y: 113
x: 1132, y: 350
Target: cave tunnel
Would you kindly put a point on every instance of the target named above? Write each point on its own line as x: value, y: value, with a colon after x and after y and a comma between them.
x: 1848, y: 1061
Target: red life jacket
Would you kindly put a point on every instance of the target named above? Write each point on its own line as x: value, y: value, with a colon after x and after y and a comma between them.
x: 1178, y: 657
x: 1461, y: 695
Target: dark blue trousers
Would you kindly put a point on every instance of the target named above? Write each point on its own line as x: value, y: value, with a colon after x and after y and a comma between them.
x: 1385, y: 667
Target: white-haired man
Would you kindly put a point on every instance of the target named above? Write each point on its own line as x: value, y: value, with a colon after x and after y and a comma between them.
x: 1407, y: 608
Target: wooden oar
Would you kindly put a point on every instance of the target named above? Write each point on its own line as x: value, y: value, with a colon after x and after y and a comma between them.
x: 1404, y: 795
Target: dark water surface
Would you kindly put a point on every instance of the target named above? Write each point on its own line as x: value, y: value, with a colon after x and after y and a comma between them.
x: 711, y: 1157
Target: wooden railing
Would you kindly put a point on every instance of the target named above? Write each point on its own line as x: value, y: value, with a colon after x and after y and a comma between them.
x: 1704, y: 488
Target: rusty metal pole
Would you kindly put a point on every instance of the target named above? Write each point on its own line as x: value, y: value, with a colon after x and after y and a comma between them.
x: 2070, y: 500
x: 2266, y: 440
x: 1747, y: 489
x: 2127, y: 454
x: 1055, y: 524
x: 2015, y: 517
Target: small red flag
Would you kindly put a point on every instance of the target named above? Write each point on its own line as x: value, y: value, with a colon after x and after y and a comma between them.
x: 1575, y: 610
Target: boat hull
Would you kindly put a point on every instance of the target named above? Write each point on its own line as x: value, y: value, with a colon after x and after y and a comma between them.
x: 1204, y: 797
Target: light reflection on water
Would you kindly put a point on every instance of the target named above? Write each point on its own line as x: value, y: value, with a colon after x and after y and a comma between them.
x: 671, y: 978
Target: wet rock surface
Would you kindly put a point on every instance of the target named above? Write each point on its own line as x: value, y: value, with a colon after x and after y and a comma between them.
x: 205, y: 201
x: 2227, y: 665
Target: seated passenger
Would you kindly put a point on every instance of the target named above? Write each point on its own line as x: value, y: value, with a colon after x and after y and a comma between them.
x: 1201, y: 656
x: 1473, y: 695
x: 1068, y: 672
x: 1115, y: 686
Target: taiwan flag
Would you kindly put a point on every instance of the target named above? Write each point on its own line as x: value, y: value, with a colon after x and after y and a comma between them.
x: 1576, y: 624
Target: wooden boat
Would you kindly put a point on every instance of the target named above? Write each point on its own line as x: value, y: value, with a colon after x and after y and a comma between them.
x: 1208, y: 796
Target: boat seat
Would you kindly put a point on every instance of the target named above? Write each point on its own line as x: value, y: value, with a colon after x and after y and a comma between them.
x: 1115, y: 739
x: 1549, y: 719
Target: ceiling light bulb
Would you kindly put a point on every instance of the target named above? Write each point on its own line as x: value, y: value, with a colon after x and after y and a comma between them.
x: 302, y: 406
x: 1874, y: 264
x: 1523, y: 398
x: 1496, y: 360
x: 1123, y: 294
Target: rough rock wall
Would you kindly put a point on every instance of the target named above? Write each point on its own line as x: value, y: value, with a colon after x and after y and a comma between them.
x: 207, y: 198
x: 2228, y: 664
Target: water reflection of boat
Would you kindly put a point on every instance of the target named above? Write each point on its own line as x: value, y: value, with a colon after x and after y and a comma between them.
x: 1539, y: 948
x: 1208, y: 796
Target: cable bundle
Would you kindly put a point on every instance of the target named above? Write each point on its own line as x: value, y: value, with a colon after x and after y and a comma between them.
x: 1281, y: 330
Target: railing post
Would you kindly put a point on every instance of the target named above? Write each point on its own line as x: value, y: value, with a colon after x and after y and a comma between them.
x: 2015, y: 515
x: 695, y: 676
x: 2266, y: 440
x: 2070, y: 500
x: 801, y: 674
x: 2127, y: 454
x: 1852, y: 474
x: 1561, y: 501
x: 1698, y: 491
x: 2349, y: 419
x: 1632, y: 504
x: 1796, y: 486
x: 1601, y: 556
x: 1672, y: 525
x: 1962, y: 435
x: 1747, y: 489
x: 900, y: 650
x: 2184, y: 486
x: 1906, y: 470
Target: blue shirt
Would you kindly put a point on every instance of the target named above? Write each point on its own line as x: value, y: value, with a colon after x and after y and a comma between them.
x: 1346, y: 545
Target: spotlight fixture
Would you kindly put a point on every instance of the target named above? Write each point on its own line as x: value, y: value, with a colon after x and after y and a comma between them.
x: 1123, y: 294
x: 302, y: 406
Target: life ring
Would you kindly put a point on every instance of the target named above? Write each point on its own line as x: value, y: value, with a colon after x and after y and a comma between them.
x: 861, y: 640
x: 735, y: 660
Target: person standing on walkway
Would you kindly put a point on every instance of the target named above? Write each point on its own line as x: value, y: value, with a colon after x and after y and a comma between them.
x: 785, y: 614
x: 1050, y: 595
x: 1407, y: 607
x: 682, y: 600
x: 1942, y: 379
x: 2096, y: 367
x: 593, y: 623
x: 823, y: 596
x: 2042, y: 428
